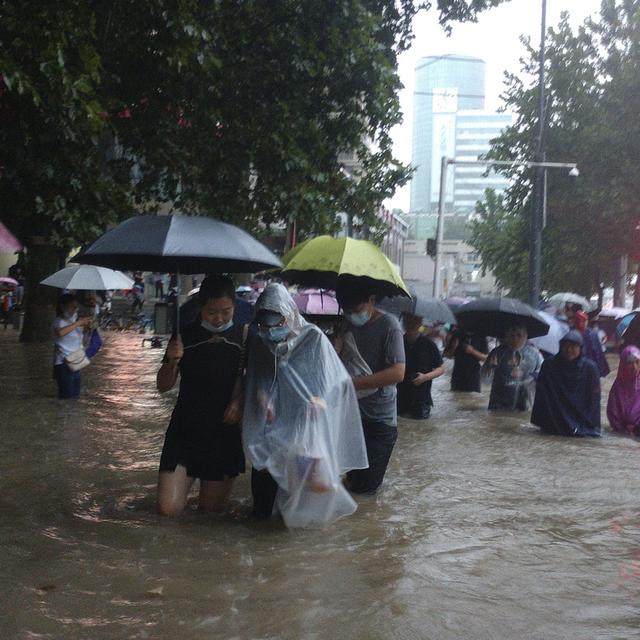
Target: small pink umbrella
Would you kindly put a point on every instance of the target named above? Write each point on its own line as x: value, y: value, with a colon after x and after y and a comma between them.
x: 8, y: 242
x: 8, y: 281
x: 317, y: 302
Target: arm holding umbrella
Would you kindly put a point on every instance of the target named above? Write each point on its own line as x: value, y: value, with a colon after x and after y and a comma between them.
x: 82, y: 323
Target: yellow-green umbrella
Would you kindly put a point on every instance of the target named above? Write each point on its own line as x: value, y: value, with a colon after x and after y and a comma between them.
x: 325, y: 261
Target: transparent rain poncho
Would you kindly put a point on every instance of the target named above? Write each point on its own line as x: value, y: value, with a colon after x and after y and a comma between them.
x: 301, y: 419
x: 354, y: 363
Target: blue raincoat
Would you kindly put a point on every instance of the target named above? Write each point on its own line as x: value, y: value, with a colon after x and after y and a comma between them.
x: 567, y: 399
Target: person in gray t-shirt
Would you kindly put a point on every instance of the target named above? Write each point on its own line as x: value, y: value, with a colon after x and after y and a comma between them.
x: 379, y: 339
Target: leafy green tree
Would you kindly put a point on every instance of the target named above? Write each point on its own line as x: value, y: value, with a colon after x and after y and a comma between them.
x: 593, y: 90
x: 239, y: 110
x: 499, y: 235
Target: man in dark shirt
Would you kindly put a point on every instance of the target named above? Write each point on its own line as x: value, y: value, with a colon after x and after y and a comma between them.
x: 423, y: 364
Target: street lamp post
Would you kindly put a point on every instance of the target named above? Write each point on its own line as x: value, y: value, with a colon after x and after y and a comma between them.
x: 541, y: 166
x: 537, y: 202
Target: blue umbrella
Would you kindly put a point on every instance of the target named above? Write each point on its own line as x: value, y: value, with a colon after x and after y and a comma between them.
x: 623, y: 325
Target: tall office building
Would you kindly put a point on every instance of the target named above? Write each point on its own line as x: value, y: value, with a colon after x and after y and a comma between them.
x: 444, y: 85
x: 450, y: 120
x: 474, y: 132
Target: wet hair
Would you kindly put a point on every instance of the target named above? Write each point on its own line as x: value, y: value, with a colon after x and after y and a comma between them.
x: 516, y: 327
x: 63, y: 301
x: 216, y: 286
x: 352, y: 296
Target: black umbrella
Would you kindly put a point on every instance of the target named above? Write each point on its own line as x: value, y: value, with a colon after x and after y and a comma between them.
x: 492, y: 316
x: 426, y: 307
x: 179, y: 244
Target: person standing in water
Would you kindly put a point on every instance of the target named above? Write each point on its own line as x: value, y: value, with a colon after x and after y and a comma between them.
x: 424, y: 364
x: 468, y: 351
x: 623, y: 406
x: 379, y: 340
x: 514, y: 366
x: 203, y: 440
x: 567, y: 399
x: 68, y: 333
x: 592, y: 347
x: 301, y: 424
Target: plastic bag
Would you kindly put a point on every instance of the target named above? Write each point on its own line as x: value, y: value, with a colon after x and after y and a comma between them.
x: 354, y: 363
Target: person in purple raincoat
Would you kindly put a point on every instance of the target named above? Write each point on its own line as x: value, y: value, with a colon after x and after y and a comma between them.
x: 623, y: 407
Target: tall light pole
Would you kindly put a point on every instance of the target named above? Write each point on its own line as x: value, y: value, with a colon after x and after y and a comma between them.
x: 537, y: 201
x: 539, y: 166
x: 442, y: 195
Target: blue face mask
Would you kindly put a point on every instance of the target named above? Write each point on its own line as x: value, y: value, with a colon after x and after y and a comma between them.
x: 210, y: 327
x: 278, y: 334
x: 359, y: 319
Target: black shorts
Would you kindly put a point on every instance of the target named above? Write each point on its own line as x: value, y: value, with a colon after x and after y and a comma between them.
x: 214, y: 458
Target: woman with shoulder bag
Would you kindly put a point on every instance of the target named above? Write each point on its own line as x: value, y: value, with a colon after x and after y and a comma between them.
x: 68, y: 333
x: 203, y: 440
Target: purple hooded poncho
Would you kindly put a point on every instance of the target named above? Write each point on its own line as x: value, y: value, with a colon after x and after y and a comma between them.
x: 623, y: 407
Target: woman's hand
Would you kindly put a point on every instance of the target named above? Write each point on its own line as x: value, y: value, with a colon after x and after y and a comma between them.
x: 267, y: 406
x: 85, y: 323
x: 420, y: 378
x: 175, y: 350
x: 316, y: 405
x: 233, y: 412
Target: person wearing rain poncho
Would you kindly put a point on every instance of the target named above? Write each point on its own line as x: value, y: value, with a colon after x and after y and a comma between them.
x: 514, y: 366
x: 568, y: 392
x: 623, y: 406
x: 301, y: 425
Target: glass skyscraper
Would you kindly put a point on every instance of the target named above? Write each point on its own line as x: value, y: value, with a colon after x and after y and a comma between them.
x: 444, y: 85
x: 450, y: 120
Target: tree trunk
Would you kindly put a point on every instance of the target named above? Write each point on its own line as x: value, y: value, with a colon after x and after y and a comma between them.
x: 42, y: 260
x: 599, y: 285
x: 620, y: 282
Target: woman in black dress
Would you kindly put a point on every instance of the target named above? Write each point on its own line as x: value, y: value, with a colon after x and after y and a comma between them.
x: 203, y: 440
x: 468, y: 351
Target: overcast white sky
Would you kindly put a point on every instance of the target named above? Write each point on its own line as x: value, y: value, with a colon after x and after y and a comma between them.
x: 495, y: 38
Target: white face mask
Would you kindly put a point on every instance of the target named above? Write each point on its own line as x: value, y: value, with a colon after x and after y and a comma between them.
x: 359, y: 319
x: 72, y: 316
x: 210, y: 327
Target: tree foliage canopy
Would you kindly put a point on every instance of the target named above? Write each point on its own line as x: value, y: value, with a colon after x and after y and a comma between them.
x: 593, y: 88
x: 239, y: 110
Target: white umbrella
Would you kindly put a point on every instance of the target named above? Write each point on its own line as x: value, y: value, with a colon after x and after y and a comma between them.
x: 557, y: 330
x: 559, y: 299
x: 88, y: 277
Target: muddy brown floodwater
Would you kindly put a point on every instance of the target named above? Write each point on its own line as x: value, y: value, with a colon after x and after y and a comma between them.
x: 484, y: 529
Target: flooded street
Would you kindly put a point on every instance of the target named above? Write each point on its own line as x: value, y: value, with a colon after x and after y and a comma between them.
x: 484, y: 528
